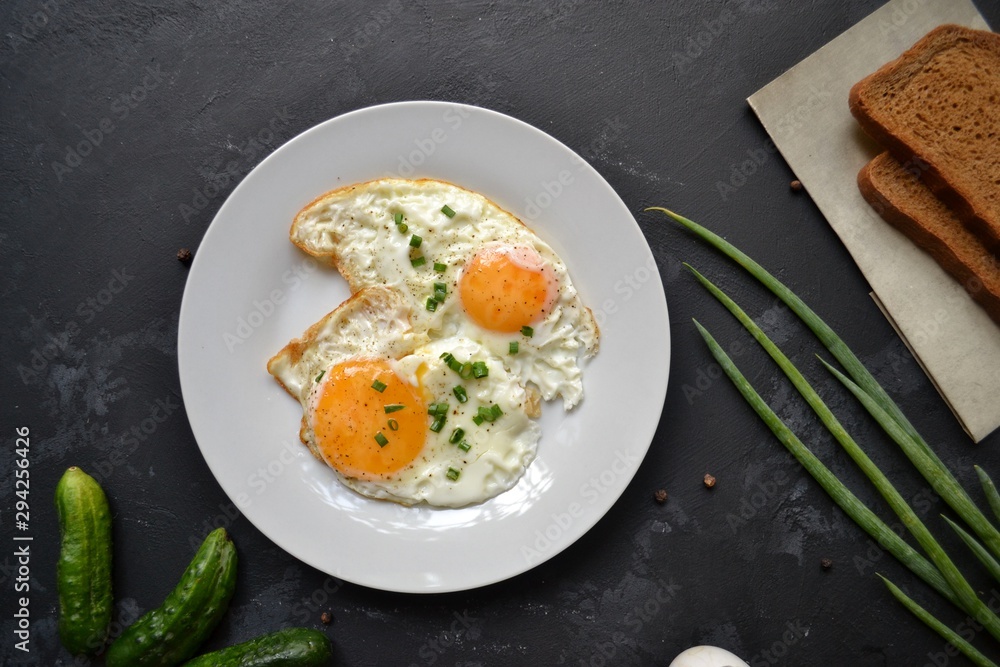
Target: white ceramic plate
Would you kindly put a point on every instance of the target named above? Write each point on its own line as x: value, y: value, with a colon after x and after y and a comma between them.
x: 250, y: 291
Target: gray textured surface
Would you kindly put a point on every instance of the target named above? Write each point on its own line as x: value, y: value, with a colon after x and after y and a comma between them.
x: 737, y: 566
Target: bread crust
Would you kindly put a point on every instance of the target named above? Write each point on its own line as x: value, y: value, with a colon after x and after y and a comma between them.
x: 908, y: 205
x: 873, y: 98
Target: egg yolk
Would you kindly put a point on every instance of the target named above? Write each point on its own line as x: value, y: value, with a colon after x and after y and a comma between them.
x: 350, y: 412
x: 504, y: 288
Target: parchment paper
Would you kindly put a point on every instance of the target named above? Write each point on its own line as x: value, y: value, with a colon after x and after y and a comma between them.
x: 805, y: 111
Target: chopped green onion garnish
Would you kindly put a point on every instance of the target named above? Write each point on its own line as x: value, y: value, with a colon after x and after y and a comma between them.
x: 439, y: 267
x: 381, y: 439
x: 397, y: 218
x: 452, y: 473
x: 447, y: 356
x: 479, y: 369
x: 320, y: 376
x: 484, y: 413
x: 415, y: 241
x: 468, y: 368
x: 513, y: 347
x: 456, y: 435
x: 478, y: 420
x: 378, y: 386
x: 437, y: 409
x: 447, y: 211
x: 402, y: 227
x: 454, y: 364
x: 432, y: 304
x: 460, y: 394
x: 440, y: 291
x: 464, y: 446
x: 438, y: 424
x: 495, y: 411
x: 527, y: 331
x: 418, y: 261
x: 393, y: 407
x: 393, y: 425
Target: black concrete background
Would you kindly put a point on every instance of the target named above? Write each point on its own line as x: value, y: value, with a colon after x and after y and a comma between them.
x: 737, y: 566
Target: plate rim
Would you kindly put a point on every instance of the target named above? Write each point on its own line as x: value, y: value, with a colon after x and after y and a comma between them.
x: 591, y: 519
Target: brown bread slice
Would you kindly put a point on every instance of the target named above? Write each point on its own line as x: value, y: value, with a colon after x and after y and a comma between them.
x: 940, y: 102
x: 899, y: 196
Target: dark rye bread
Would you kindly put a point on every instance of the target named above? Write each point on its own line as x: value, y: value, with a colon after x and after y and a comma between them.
x: 940, y: 102
x: 899, y: 196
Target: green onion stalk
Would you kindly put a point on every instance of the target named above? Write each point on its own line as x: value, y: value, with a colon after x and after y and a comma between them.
x: 947, y: 633
x: 845, y: 499
x: 913, y: 445
x: 964, y: 594
x: 855, y: 509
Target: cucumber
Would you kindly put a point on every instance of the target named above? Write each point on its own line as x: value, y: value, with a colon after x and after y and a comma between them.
x: 172, y: 633
x: 292, y: 647
x: 83, y: 571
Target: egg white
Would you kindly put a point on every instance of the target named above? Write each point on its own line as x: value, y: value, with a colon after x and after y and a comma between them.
x: 375, y: 323
x: 354, y: 228
x: 499, y: 452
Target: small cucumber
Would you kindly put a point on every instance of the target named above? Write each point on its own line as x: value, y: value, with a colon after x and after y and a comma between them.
x: 291, y: 647
x: 171, y: 634
x: 83, y: 572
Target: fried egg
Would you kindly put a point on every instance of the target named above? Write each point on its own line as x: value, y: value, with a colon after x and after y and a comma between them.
x: 466, y: 267
x: 402, y: 418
